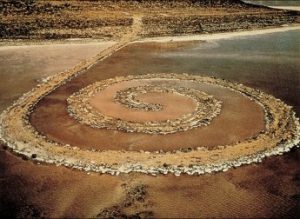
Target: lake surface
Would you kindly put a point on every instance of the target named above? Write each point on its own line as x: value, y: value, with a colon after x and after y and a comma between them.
x: 275, y: 2
x: 269, y: 62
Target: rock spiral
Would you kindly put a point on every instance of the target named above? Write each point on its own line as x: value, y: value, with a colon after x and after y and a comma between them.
x: 281, y: 132
x: 207, y: 107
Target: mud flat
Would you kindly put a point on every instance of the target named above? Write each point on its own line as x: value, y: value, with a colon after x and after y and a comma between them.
x: 220, y: 36
x: 39, y: 61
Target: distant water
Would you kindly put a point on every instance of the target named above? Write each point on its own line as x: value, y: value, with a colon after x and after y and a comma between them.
x: 275, y: 2
x: 269, y: 62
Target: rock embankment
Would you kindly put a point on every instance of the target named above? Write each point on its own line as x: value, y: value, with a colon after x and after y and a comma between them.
x: 195, y: 24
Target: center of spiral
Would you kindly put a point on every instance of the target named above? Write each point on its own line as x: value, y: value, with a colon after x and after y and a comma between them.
x: 128, y: 97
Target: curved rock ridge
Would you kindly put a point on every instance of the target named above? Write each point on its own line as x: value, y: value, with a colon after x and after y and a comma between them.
x: 282, y: 132
x: 128, y: 97
x: 207, y: 107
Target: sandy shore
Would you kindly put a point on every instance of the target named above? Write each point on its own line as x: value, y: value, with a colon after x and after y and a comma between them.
x: 219, y: 36
x: 22, y: 44
x: 292, y: 8
x: 16, y: 44
x: 23, y: 66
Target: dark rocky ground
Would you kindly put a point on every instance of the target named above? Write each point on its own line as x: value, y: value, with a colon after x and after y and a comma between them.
x: 37, y: 19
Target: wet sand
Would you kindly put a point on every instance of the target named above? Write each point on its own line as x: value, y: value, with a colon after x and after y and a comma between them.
x: 292, y: 8
x: 269, y: 189
x: 220, y: 36
x: 21, y: 67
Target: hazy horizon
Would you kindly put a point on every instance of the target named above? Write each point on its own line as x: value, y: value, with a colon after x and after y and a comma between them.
x: 276, y: 2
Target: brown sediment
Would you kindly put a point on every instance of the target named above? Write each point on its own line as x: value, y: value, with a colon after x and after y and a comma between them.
x: 56, y: 192
x: 40, y: 61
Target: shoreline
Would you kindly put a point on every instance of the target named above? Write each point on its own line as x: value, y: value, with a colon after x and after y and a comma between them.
x: 219, y: 36
x: 291, y: 8
x: 8, y: 43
